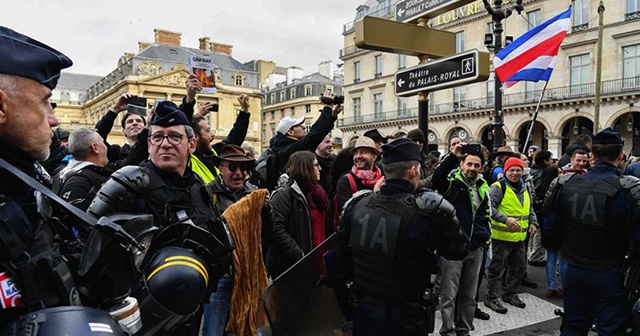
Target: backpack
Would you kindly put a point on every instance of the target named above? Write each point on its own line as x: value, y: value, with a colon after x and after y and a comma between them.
x: 265, y: 174
x: 334, y: 203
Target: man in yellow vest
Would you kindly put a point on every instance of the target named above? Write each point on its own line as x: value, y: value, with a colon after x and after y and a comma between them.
x: 512, y: 216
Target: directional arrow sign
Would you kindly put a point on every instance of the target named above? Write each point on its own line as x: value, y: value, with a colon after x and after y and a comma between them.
x: 411, y: 10
x: 402, y: 38
x: 464, y: 68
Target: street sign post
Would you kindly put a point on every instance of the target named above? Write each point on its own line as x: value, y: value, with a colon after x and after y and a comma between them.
x: 411, y: 10
x: 463, y: 68
x: 402, y: 38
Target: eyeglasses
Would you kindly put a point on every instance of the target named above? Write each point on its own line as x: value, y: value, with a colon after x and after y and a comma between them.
x: 233, y: 166
x: 173, y: 139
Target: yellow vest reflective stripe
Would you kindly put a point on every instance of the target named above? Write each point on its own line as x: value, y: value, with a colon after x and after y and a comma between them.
x: 199, y: 168
x: 511, y: 207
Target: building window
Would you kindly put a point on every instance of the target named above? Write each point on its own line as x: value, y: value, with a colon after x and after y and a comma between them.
x: 307, y: 90
x: 273, y: 131
x: 283, y: 95
x: 490, y: 27
x: 432, y: 101
x: 307, y: 125
x: 356, y: 72
x: 328, y: 88
x: 532, y: 90
x: 580, y: 20
x: 491, y: 89
x: 238, y: 80
x: 459, y: 96
x: 378, y: 61
x: 273, y: 115
x: 377, y: 106
x: 402, y: 107
x: 631, y: 66
x: 534, y: 18
x: 579, y: 74
x: 293, y: 111
x: 307, y: 108
x: 273, y: 98
x: 292, y: 93
x: 402, y: 61
x: 459, y: 42
x: 633, y: 10
x: 357, y: 109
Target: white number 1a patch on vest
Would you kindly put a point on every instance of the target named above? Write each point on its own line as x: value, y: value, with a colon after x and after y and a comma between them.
x: 375, y: 231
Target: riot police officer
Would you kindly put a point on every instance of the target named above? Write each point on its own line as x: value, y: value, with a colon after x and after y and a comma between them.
x: 192, y: 252
x: 592, y: 219
x: 388, y: 243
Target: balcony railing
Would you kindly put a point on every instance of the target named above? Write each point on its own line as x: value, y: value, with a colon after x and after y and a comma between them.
x: 580, y: 27
x: 632, y: 16
x: 384, y: 12
x: 349, y: 51
x: 610, y: 87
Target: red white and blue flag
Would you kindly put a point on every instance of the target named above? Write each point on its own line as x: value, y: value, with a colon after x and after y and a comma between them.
x: 531, y: 57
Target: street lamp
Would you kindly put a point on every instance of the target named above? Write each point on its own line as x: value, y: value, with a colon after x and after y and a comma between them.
x: 497, y: 15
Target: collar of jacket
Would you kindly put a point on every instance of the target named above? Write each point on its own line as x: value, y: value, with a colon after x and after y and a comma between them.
x: 481, y: 184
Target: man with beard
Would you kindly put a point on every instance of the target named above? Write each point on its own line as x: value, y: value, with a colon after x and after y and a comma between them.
x: 325, y: 156
x: 202, y: 159
x: 469, y: 195
x: 363, y: 175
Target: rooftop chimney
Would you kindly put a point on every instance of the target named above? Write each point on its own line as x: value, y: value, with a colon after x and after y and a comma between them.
x: 167, y: 37
x: 143, y: 45
x: 226, y: 49
x: 204, y: 43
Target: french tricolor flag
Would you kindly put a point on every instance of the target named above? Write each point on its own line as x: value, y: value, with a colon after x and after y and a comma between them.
x: 531, y: 56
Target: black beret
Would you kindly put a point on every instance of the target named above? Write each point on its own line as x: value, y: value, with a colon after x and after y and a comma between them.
x: 25, y: 57
x: 167, y: 114
x: 400, y: 150
x: 607, y: 137
x: 416, y: 135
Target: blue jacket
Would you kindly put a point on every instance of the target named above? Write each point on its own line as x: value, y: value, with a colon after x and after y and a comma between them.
x: 474, y: 222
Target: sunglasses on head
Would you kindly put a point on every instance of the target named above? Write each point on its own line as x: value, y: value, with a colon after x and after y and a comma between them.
x: 233, y: 166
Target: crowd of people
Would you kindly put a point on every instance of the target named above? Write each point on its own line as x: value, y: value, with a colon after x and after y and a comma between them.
x: 399, y: 215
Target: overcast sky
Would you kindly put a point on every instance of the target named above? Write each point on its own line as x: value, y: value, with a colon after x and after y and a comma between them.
x: 95, y: 33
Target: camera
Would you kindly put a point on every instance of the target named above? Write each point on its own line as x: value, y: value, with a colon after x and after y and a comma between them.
x: 473, y: 149
x: 214, y: 107
x: 332, y: 101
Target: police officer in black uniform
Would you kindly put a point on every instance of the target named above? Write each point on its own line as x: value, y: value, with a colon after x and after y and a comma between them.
x: 29, y: 71
x: 388, y: 243
x: 593, y: 220
x: 182, y: 266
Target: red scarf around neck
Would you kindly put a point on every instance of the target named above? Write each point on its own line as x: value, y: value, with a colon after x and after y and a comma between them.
x: 368, y: 177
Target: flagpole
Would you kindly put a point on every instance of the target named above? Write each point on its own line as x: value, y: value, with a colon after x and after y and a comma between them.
x: 535, y: 116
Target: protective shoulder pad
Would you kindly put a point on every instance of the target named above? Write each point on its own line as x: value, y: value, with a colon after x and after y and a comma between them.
x: 434, y: 205
x: 632, y: 184
x: 356, y: 197
x: 562, y: 179
x: 134, y: 178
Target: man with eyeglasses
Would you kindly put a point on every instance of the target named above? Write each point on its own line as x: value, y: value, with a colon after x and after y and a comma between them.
x: 166, y: 187
x: 228, y: 188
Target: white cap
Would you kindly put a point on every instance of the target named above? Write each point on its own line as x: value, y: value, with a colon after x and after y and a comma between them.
x: 287, y: 122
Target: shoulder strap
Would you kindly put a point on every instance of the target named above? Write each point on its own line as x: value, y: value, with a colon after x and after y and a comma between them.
x: 352, y: 183
x: 503, y: 186
x: 31, y: 182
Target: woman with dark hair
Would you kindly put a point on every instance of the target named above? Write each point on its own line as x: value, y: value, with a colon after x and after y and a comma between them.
x: 299, y: 208
x: 554, y: 263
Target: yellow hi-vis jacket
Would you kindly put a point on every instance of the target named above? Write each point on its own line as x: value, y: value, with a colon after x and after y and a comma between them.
x: 511, y: 207
x: 199, y: 168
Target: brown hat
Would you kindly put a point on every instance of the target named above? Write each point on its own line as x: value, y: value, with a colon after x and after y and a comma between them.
x: 231, y: 153
x: 504, y: 150
x: 366, y: 142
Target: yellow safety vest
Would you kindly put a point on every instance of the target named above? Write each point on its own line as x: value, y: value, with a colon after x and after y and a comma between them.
x: 199, y: 168
x: 511, y: 207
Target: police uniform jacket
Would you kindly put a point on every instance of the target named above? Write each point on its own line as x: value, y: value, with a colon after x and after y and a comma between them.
x: 620, y: 223
x: 284, y: 146
x: 291, y: 236
x: 22, y: 226
x: 474, y: 220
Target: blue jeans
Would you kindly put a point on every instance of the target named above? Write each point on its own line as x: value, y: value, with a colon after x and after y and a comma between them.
x: 216, y: 311
x: 555, y: 265
x: 590, y: 293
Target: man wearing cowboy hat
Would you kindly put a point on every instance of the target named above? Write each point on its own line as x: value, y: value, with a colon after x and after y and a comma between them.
x: 363, y: 175
x: 228, y: 188
x: 499, y: 158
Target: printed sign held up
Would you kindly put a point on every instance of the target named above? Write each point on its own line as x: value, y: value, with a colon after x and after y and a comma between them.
x: 202, y: 67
